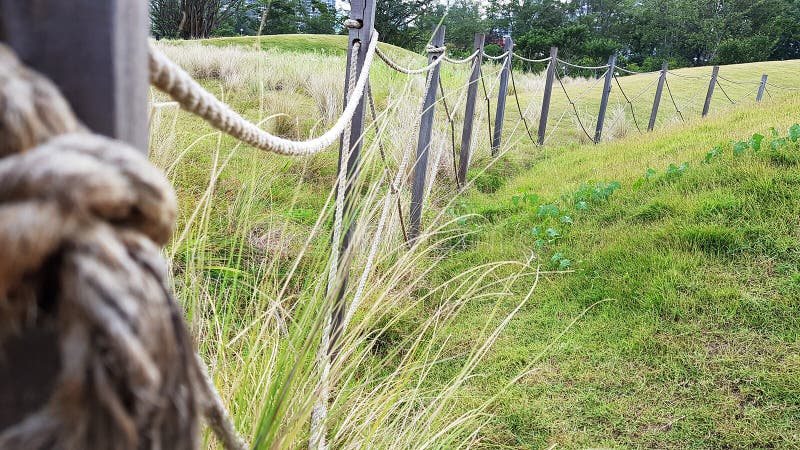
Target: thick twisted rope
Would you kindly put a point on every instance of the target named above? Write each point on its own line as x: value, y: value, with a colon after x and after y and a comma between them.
x: 522, y: 58
x: 174, y: 81
x: 495, y: 58
x: 82, y: 219
x: 319, y: 412
x: 466, y: 60
x: 576, y: 66
x: 405, y: 70
x: 689, y: 77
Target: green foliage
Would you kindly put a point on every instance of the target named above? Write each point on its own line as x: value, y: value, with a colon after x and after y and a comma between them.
x: 674, y: 171
x: 488, y: 182
x: 744, y: 49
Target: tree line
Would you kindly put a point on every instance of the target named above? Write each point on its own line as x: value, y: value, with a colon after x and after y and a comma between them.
x: 642, y: 32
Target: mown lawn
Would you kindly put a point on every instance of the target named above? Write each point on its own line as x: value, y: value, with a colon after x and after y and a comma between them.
x: 686, y: 286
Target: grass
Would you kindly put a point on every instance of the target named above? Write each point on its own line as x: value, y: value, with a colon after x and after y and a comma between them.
x: 665, y: 315
x: 695, y: 343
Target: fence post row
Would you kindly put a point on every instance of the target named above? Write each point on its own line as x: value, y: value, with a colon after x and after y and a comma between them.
x: 601, y: 117
x: 98, y: 59
x: 502, y: 95
x: 761, y: 88
x: 424, y: 140
x: 657, y: 100
x: 362, y: 11
x: 711, y: 85
x: 469, y: 113
x: 548, y: 92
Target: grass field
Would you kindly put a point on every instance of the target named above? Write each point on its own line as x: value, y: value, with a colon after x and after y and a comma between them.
x: 666, y: 307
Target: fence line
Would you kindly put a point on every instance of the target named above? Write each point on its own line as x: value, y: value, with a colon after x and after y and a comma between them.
x: 348, y: 130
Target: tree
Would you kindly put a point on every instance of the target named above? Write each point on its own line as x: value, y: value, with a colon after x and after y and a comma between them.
x: 190, y: 19
x: 400, y: 22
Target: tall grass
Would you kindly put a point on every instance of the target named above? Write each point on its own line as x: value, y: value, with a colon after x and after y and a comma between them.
x: 249, y: 261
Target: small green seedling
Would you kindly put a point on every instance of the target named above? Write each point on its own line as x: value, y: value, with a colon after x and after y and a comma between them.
x: 755, y: 142
x: 794, y: 132
x: 740, y: 147
x: 549, y: 211
x: 714, y: 153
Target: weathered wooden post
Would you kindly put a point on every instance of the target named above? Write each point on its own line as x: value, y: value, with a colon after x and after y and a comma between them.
x: 502, y: 94
x: 424, y: 140
x: 657, y: 100
x: 548, y: 93
x: 469, y: 113
x: 363, y: 12
x: 761, y: 88
x: 711, y: 85
x: 96, y: 53
x: 601, y: 117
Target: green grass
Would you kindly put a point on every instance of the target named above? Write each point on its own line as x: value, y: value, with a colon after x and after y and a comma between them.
x: 674, y: 324
x: 296, y: 43
x: 696, y: 340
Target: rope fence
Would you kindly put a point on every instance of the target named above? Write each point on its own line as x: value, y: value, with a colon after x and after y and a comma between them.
x: 194, y: 393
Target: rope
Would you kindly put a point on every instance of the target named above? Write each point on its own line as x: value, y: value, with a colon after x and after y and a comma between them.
x: 452, y: 128
x: 319, y: 412
x: 628, y: 71
x: 785, y: 88
x: 495, y: 58
x: 576, y: 66
x: 522, y: 58
x: 407, y: 71
x: 174, y: 81
x: 519, y: 108
x: 720, y: 77
x: 749, y: 93
x: 395, y: 187
x: 558, y: 122
x: 633, y: 110
x: 468, y: 59
x: 353, y: 24
x: 488, y: 107
x: 689, y: 77
x: 575, y: 108
x: 669, y: 91
x: 726, y: 94
x: 82, y: 222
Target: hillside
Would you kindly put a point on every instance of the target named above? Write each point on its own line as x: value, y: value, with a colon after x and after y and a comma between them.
x: 667, y: 308
x: 686, y: 287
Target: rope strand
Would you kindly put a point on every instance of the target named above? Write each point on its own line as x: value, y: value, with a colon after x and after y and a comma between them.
x: 174, y: 81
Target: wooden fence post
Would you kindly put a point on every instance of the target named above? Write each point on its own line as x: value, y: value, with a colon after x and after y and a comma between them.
x: 711, y: 85
x: 601, y: 117
x: 469, y: 113
x: 548, y: 92
x: 657, y: 100
x: 424, y: 140
x: 362, y: 11
x: 96, y: 53
x: 502, y: 95
x: 761, y: 88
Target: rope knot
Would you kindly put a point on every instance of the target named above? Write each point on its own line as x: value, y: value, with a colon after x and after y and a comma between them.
x: 82, y: 222
x: 434, y: 50
x: 353, y: 24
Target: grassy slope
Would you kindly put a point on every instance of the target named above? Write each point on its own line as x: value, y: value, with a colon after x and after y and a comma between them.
x: 298, y: 43
x: 695, y: 343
